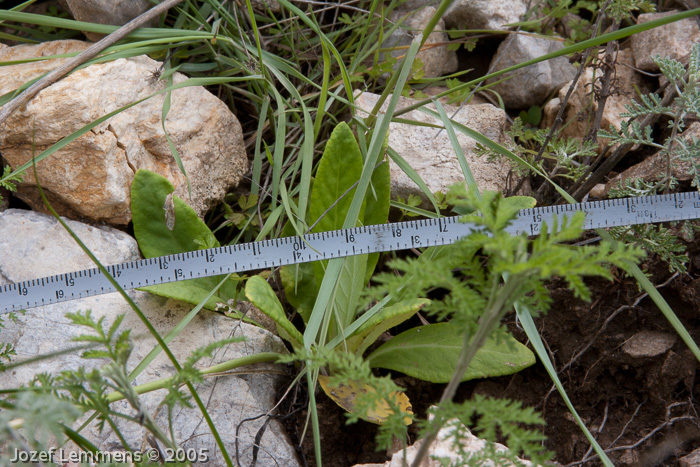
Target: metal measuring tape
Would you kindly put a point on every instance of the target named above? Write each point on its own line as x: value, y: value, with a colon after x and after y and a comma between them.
x: 334, y: 244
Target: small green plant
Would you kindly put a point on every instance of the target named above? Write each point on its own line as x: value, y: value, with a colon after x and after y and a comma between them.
x: 427, y: 352
x: 9, y: 180
x: 7, y: 350
x: 45, y: 412
x: 546, y: 15
x: 562, y: 158
x: 676, y: 149
x: 42, y: 415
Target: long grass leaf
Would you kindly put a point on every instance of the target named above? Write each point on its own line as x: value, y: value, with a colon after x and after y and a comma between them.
x: 464, y: 165
x: 530, y: 329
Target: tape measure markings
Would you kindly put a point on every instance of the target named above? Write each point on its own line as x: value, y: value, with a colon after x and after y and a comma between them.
x: 328, y: 245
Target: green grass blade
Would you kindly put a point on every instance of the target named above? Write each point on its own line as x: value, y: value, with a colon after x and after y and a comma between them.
x: 173, y: 149
x: 414, y: 176
x: 257, y: 157
x: 468, y: 176
x: 534, y: 336
x: 381, y: 129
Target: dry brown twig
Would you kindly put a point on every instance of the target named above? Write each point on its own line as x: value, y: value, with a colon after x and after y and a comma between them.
x: 83, y: 57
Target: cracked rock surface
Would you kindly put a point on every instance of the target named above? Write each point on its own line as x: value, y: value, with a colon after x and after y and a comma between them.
x: 90, y: 178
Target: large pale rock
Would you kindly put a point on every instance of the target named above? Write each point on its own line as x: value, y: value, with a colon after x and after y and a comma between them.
x: 437, y: 60
x: 484, y: 14
x: 430, y: 153
x: 113, y: 12
x: 531, y: 85
x: 673, y: 40
x: 581, y: 108
x: 90, y: 178
x: 36, y: 245
x: 442, y: 451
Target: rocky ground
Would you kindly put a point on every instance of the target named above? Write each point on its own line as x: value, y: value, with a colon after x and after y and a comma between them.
x: 629, y: 375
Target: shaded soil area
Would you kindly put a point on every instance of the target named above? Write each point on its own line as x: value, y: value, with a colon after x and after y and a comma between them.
x: 627, y: 372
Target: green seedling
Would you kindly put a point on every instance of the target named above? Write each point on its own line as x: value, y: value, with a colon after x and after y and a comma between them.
x: 427, y: 352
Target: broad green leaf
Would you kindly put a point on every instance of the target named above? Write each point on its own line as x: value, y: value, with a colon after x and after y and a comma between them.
x: 191, y: 291
x: 510, y: 206
x: 377, y: 204
x: 148, y: 196
x: 260, y: 294
x: 350, y: 284
x: 299, y: 282
x: 431, y: 352
x: 516, y: 203
x: 386, y: 319
x: 346, y: 394
x: 149, y: 192
x: 300, y: 287
x: 339, y: 169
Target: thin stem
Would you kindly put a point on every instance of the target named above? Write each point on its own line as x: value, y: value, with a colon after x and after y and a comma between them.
x: 264, y: 357
x: 83, y: 57
x: 499, y: 298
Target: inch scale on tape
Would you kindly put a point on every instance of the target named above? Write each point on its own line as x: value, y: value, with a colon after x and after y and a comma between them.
x: 327, y: 245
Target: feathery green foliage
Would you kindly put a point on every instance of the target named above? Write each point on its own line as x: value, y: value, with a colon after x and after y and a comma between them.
x: 678, y: 148
x: 483, y: 275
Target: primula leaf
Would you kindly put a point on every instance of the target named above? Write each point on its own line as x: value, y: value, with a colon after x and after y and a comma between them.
x: 378, y: 202
x: 346, y: 394
x: 386, y: 319
x: 300, y: 287
x: 149, y: 192
x: 351, y: 282
x: 339, y: 168
x: 260, y: 294
x: 431, y: 352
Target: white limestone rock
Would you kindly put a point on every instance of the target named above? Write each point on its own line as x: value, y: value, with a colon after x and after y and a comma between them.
x: 530, y: 85
x: 484, y: 14
x: 113, y: 12
x: 90, y: 178
x: 430, y: 153
x: 648, y: 344
x: 673, y: 40
x: 437, y: 60
x: 442, y: 452
x: 37, y: 246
